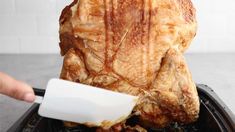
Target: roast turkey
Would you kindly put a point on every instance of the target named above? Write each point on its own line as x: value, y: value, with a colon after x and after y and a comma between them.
x: 134, y: 47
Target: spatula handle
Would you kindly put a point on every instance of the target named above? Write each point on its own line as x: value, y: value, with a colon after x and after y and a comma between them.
x: 39, y: 95
x: 39, y: 92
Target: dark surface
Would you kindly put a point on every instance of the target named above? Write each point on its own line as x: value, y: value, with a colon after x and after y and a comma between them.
x: 214, y: 116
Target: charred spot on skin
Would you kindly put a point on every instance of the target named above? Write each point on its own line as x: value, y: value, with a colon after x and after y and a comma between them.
x: 66, y: 13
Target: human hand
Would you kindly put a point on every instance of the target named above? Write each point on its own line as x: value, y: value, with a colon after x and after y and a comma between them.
x: 16, y: 89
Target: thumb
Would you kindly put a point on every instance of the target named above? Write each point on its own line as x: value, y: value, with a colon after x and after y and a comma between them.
x: 15, y: 89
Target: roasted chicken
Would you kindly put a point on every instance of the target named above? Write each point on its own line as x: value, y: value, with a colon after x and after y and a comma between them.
x: 134, y: 47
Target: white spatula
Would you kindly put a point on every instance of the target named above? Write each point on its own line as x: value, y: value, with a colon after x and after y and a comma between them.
x: 84, y: 104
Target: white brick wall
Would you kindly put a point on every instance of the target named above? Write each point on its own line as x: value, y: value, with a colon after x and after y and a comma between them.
x: 216, y: 26
x: 31, y: 26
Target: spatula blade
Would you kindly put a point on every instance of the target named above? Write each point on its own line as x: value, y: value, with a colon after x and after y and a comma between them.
x: 85, y: 104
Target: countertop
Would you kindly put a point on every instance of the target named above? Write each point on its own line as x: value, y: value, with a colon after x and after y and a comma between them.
x: 215, y: 70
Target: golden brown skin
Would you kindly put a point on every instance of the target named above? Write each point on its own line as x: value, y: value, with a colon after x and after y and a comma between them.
x: 134, y: 47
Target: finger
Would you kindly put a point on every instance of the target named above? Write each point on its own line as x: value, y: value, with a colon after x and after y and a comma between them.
x: 15, y: 89
x: 25, y: 92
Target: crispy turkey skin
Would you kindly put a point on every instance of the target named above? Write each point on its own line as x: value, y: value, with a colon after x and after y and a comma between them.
x: 134, y: 47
